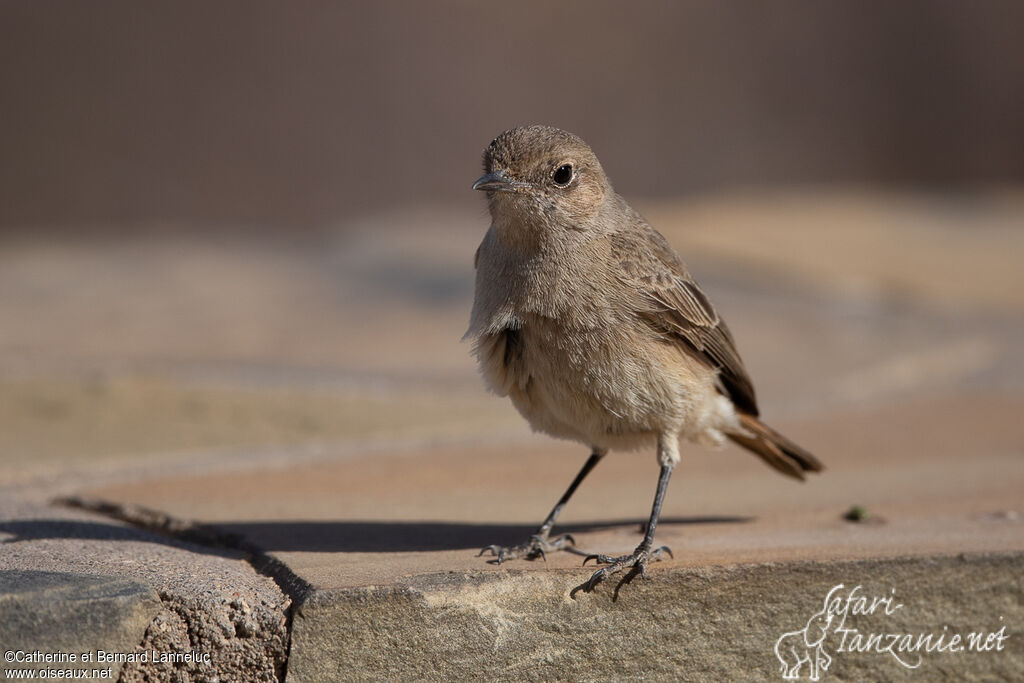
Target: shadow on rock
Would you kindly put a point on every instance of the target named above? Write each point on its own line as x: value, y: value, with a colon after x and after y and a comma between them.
x: 37, y: 529
x: 382, y: 537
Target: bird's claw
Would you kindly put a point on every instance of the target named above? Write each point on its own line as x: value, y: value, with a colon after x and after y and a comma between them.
x: 538, y: 546
x: 599, y: 559
x: 636, y: 563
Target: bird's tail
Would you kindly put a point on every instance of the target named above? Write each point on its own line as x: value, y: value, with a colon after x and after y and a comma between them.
x: 775, y: 449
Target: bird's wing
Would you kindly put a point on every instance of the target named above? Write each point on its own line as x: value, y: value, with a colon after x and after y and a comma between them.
x: 674, y: 305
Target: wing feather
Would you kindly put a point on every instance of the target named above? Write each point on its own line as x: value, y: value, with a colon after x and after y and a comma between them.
x: 674, y: 305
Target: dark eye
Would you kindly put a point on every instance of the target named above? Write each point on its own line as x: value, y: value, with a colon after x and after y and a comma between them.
x: 562, y: 175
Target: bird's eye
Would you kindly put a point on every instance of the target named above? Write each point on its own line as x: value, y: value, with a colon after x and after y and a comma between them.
x: 562, y: 175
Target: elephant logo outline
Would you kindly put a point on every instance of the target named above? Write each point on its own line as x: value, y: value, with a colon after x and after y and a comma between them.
x: 807, y: 645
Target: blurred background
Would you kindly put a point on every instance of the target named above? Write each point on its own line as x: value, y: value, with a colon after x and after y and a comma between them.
x: 283, y: 117
x: 243, y: 223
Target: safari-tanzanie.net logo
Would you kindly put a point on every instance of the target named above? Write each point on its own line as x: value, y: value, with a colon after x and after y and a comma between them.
x: 809, y: 651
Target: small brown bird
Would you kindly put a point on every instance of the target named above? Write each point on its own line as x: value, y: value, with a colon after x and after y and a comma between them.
x: 588, y: 321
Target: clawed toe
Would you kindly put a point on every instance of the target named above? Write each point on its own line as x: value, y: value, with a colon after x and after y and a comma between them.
x: 601, y: 559
x: 663, y: 550
x: 562, y: 541
x: 538, y: 546
x: 636, y: 563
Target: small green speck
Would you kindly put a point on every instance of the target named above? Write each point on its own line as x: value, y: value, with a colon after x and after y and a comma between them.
x: 857, y: 513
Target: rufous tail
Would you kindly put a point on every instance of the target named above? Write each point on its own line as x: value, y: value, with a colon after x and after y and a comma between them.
x: 775, y: 449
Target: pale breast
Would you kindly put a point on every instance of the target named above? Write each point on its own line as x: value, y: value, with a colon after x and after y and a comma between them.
x: 573, y: 360
x: 590, y: 385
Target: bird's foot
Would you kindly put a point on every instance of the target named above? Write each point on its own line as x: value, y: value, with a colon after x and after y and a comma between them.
x: 538, y: 545
x: 635, y: 563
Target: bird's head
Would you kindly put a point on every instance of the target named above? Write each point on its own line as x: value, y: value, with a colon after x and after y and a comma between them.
x: 539, y: 174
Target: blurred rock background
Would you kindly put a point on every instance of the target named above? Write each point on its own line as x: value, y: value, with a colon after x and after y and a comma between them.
x: 239, y: 223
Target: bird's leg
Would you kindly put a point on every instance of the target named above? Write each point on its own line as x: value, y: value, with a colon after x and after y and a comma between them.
x: 539, y: 544
x: 637, y: 562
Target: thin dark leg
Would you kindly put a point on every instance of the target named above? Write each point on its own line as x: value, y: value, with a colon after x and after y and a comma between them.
x: 538, y: 544
x: 591, y: 462
x: 637, y: 562
x: 659, y: 497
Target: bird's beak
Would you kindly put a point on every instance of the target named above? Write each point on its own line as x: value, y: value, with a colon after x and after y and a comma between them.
x: 496, y: 182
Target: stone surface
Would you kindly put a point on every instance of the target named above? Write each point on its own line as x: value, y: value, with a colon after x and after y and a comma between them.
x: 935, y: 476
x: 689, y: 624
x: 398, y: 592
x: 66, y: 614
x: 199, y: 599
x: 266, y: 425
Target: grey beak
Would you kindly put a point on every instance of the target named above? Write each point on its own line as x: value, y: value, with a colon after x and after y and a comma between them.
x: 496, y: 182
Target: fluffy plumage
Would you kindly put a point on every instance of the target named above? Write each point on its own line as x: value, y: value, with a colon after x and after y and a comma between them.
x: 589, y: 321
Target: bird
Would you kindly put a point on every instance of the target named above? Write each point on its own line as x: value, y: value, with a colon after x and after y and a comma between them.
x: 588, y: 320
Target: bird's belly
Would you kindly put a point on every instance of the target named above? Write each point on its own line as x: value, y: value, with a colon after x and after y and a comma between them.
x: 595, y: 388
